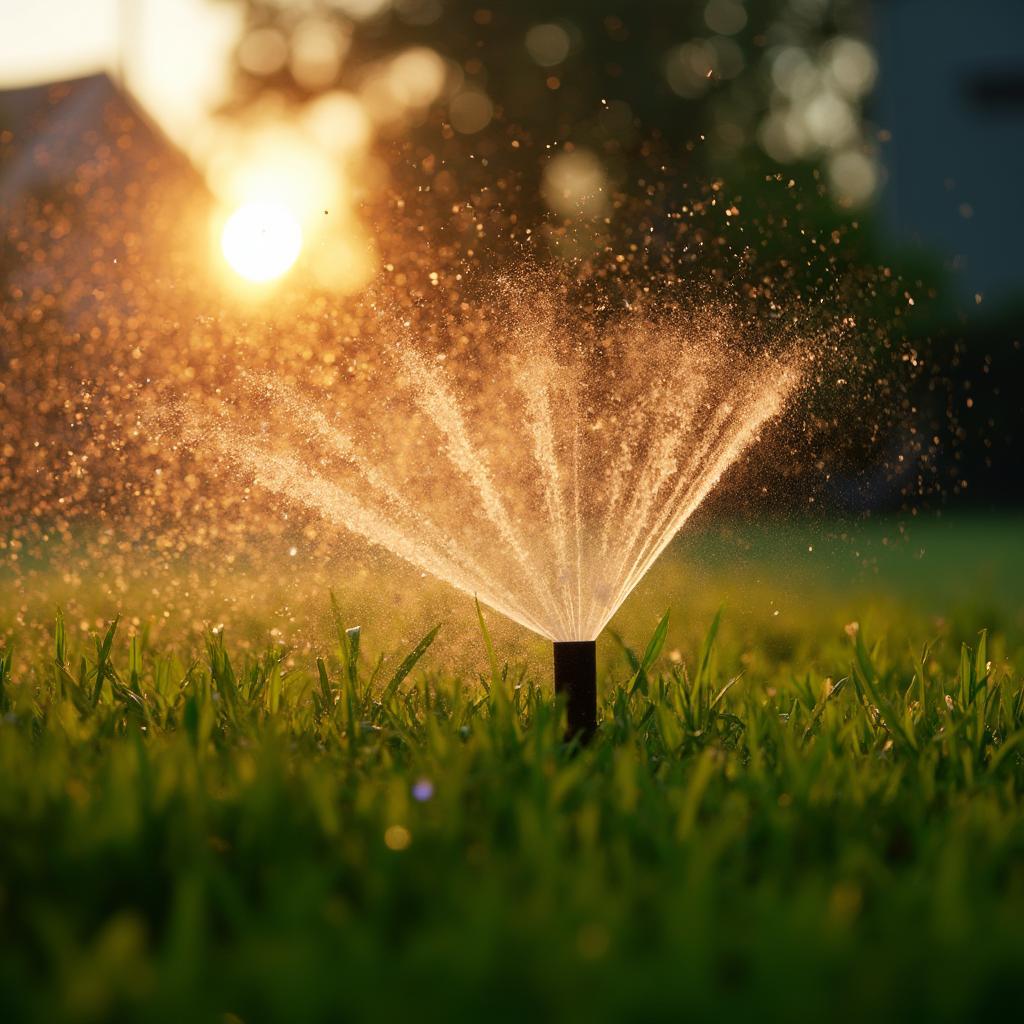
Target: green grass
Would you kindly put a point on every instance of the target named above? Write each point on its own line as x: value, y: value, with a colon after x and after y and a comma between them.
x: 781, y: 822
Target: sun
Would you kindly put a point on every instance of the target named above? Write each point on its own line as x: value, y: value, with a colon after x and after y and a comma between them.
x: 261, y: 240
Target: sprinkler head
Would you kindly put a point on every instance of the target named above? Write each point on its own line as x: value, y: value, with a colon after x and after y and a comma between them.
x: 576, y: 677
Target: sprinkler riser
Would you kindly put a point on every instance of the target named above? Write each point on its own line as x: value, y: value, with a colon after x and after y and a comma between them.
x: 576, y: 678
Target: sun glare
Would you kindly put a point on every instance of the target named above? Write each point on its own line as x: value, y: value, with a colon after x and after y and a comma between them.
x: 261, y: 240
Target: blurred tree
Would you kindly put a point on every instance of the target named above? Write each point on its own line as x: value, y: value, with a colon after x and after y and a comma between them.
x: 780, y: 81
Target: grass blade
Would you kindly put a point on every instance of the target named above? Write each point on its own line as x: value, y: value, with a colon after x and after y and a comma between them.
x: 707, y: 649
x: 654, y: 646
x: 492, y: 660
x: 325, y: 684
x: 409, y: 663
x: 103, y: 659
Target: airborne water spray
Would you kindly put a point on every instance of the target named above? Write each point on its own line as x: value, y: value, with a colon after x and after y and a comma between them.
x: 542, y: 464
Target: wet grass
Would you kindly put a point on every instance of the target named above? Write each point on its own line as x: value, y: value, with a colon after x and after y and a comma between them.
x: 217, y: 833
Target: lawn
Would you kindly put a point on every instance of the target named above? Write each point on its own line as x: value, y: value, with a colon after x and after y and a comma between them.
x: 810, y: 811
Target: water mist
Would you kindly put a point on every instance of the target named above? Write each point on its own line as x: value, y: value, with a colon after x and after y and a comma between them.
x: 541, y: 467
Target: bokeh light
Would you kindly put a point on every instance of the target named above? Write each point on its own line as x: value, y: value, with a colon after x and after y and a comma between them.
x: 262, y: 52
x: 470, y: 111
x: 548, y: 44
x: 727, y: 17
x: 575, y: 184
x: 318, y: 48
x: 689, y: 67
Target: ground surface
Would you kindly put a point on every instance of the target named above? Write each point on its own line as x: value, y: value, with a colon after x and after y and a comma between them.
x: 799, y: 818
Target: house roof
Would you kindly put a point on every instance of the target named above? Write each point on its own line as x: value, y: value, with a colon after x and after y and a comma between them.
x: 48, y: 132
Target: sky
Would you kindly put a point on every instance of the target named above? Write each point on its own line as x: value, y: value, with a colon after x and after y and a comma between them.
x: 172, y: 53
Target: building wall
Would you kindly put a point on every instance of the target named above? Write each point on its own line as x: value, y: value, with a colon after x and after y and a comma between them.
x: 951, y: 92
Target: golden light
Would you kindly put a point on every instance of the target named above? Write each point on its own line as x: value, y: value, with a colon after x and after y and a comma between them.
x: 289, y: 188
x: 261, y: 240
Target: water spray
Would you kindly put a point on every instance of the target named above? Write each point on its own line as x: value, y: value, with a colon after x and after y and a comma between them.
x: 576, y: 677
x: 542, y: 478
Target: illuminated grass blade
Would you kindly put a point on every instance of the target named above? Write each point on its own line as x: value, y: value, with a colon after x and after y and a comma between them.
x: 408, y: 664
x: 654, y: 646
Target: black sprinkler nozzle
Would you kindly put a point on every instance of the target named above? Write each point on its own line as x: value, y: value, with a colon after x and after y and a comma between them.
x: 576, y: 677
